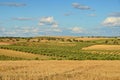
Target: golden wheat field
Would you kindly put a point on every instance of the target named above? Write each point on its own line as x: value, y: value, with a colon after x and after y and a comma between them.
x: 60, y: 70
x: 103, y: 47
x: 90, y: 39
x: 5, y: 43
x: 24, y: 55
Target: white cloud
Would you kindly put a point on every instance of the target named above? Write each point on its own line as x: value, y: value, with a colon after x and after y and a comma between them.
x: 41, y: 24
x: 12, y: 4
x: 81, y: 7
x: 76, y: 30
x: 54, y: 25
x: 28, y: 30
x: 22, y: 18
x: 57, y: 30
x: 48, y: 21
x: 112, y: 22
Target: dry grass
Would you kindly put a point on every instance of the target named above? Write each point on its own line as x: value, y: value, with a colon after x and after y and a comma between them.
x: 5, y: 43
x: 12, y: 53
x: 103, y: 47
x: 59, y: 70
x: 90, y: 39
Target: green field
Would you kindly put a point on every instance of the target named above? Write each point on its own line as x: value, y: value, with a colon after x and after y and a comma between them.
x: 62, y: 49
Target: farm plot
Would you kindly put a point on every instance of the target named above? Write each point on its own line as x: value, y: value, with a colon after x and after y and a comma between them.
x: 5, y: 43
x: 102, y: 47
x: 59, y: 70
x: 63, y: 53
x: 24, y: 55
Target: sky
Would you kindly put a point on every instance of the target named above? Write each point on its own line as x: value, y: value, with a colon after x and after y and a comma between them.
x: 27, y: 18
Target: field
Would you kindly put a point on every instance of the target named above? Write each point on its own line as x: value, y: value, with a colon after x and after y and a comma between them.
x: 59, y: 70
x: 20, y: 55
x: 59, y: 58
x: 103, y: 47
x: 68, y: 48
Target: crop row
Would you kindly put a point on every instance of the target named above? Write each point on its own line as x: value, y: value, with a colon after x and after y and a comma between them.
x: 3, y: 57
x: 61, y: 53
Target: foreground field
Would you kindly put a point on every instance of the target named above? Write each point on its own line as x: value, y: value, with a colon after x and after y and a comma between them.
x: 59, y: 70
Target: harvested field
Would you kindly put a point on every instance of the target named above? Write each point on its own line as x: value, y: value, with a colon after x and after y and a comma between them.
x: 5, y: 43
x: 102, y: 47
x: 59, y: 70
x: 23, y: 55
x: 90, y: 39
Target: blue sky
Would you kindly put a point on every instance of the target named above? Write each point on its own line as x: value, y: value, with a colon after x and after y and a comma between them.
x: 59, y: 18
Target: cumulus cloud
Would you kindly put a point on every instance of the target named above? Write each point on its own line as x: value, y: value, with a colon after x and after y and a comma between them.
x: 22, y: 18
x: 48, y: 21
x: 112, y: 22
x: 115, y: 14
x: 12, y: 4
x: 76, y: 30
x: 80, y: 6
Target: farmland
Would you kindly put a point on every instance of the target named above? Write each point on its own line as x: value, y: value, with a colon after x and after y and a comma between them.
x: 59, y: 70
x: 59, y: 48
x: 20, y: 55
x: 103, y: 47
x: 59, y: 58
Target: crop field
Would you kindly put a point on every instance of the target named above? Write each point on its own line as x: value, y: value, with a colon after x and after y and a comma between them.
x: 59, y: 70
x: 103, y: 47
x: 62, y: 49
x: 59, y: 58
x: 20, y: 55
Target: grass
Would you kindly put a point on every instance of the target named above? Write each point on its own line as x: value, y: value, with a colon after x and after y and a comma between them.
x: 3, y: 57
x: 59, y: 70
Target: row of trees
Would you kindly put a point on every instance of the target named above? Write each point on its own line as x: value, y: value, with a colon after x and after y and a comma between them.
x: 112, y: 42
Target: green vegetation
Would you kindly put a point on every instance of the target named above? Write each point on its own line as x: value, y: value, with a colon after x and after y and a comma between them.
x: 3, y: 57
x: 64, y: 50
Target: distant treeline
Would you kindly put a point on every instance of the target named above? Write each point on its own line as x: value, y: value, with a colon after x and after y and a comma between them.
x: 63, y: 36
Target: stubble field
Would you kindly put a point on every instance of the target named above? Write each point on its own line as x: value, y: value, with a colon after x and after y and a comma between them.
x: 60, y: 70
